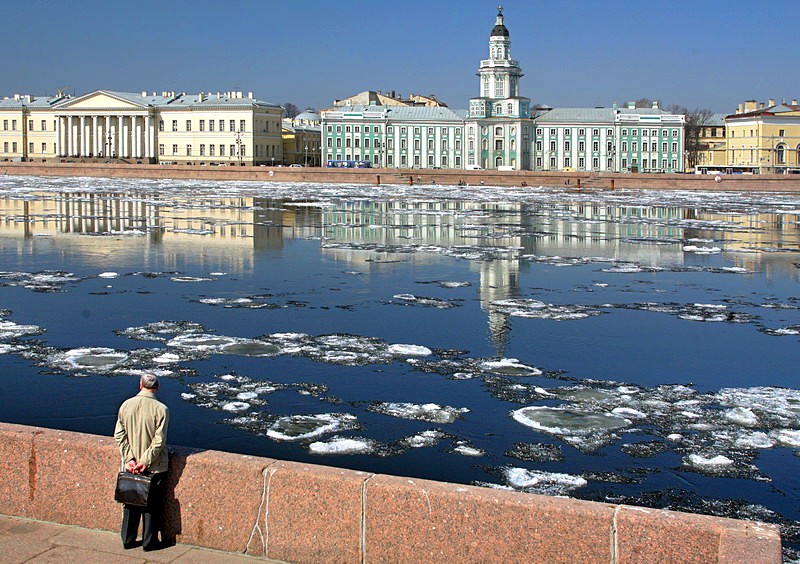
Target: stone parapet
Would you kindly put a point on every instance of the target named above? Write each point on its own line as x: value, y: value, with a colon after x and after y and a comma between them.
x: 570, y: 181
x: 307, y: 513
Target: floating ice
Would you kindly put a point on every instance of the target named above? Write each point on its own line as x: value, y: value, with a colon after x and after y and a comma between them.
x: 453, y: 284
x: 510, y: 367
x: 190, y: 279
x: 167, y: 358
x: 424, y: 301
x: 742, y: 416
x: 701, y: 250
x: 108, y: 275
x: 466, y: 450
x: 537, y: 481
x: 424, y: 439
x: 540, y: 310
x: 564, y: 421
x: 93, y: 359
x: 707, y: 462
x: 236, y: 406
x: 409, y: 350
x: 11, y: 330
x: 431, y: 412
x: 202, y: 341
x: 304, y: 427
x: 343, y: 445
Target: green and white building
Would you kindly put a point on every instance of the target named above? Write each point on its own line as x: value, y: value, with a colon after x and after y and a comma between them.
x: 502, y: 131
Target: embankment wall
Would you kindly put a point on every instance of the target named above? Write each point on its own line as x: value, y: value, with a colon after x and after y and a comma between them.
x: 562, y: 180
x: 306, y: 513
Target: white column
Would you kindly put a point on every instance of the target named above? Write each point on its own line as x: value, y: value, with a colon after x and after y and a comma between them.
x: 152, y: 135
x: 125, y: 138
x: 70, y: 133
x: 82, y: 137
x: 107, y: 140
x: 95, y: 137
x: 138, y: 132
x: 148, y: 146
x: 59, y: 131
x: 119, y: 138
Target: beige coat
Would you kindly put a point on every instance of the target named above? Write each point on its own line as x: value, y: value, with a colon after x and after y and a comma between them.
x: 141, y: 431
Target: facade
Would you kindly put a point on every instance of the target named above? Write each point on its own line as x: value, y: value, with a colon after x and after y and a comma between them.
x: 302, y: 139
x: 501, y: 131
x: 764, y: 138
x: 221, y: 128
x: 711, y: 145
x: 376, y: 98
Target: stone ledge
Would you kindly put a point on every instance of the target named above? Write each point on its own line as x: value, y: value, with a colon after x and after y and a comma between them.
x: 308, y: 513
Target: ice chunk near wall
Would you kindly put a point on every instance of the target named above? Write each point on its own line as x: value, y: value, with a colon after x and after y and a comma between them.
x: 343, y: 445
x: 537, y: 481
x: 305, y: 427
x: 431, y: 412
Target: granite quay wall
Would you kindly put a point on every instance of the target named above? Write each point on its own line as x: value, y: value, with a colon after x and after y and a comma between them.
x: 306, y: 513
x: 584, y: 181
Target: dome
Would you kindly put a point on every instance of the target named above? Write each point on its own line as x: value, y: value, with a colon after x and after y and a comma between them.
x: 307, y: 116
x: 499, y: 29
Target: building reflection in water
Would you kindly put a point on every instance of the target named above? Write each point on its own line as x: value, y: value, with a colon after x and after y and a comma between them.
x: 498, y: 238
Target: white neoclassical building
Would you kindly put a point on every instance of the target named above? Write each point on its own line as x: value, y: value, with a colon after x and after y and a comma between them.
x: 203, y: 128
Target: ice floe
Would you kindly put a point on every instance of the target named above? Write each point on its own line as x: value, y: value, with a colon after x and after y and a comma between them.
x: 305, y: 427
x: 431, y: 412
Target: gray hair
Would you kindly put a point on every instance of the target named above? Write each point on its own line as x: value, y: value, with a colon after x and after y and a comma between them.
x: 149, y: 381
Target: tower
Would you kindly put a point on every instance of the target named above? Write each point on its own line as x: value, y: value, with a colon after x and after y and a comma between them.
x: 499, y: 79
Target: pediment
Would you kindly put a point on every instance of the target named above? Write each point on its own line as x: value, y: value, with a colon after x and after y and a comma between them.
x: 101, y: 100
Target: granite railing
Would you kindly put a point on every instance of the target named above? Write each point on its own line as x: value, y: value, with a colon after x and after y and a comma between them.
x: 307, y: 513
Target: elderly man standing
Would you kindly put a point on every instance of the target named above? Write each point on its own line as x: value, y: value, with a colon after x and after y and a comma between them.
x: 141, y: 435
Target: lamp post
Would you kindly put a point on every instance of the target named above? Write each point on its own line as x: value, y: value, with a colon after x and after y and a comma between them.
x: 306, y: 154
x: 239, y: 146
x: 108, y: 144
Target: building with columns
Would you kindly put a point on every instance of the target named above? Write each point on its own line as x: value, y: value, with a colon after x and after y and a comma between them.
x: 204, y: 128
x: 501, y: 130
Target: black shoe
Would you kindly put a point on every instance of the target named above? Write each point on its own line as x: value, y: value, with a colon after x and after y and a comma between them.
x: 155, y: 545
x: 130, y: 545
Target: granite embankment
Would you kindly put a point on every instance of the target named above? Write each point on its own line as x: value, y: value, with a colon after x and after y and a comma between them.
x: 562, y: 180
x: 306, y: 513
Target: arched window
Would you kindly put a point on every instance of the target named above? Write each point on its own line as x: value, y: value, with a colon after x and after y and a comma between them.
x: 498, y: 162
x: 498, y: 130
x: 797, y: 159
x: 780, y: 154
x: 513, y: 144
x: 485, y: 144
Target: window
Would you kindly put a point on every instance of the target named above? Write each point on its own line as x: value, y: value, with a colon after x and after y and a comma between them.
x: 567, y: 132
x: 339, y: 143
x: 390, y: 160
x: 538, y: 145
x: 624, y: 146
x: 634, y: 146
x: 552, y: 131
x: 634, y: 132
x: 174, y: 125
x: 188, y: 150
x: 175, y: 150
x: 403, y: 144
x: 5, y: 125
x: 624, y: 163
x: 202, y: 126
x: 211, y: 150
x: 430, y: 144
x: 14, y: 147
x: 674, y: 147
x: 596, y: 133
x: 653, y: 132
x: 241, y: 127
x: 430, y: 131
x: 581, y: 146
x: 654, y: 146
x: 416, y: 131
x: 5, y: 146
x: 366, y: 143
x: 567, y: 161
x: 674, y: 132
x: 595, y: 146
x: 222, y: 125
x: 581, y: 162
x: 44, y: 147
x: 232, y: 150
x: 403, y: 131
x: 663, y: 163
x: 161, y: 125
x: 202, y: 150
x: 609, y: 132
x: 664, y: 147
x: 357, y: 142
x: 567, y: 146
x: 232, y: 126
x: 347, y: 142
x: 390, y: 144
x: 595, y: 162
x: 498, y: 145
x: 188, y: 125
x: 211, y: 125
x: 390, y: 129
x: 416, y: 144
x: 430, y: 160
x: 624, y: 132
x: 161, y: 149
x: 458, y: 144
x: 781, y: 154
x: 347, y: 129
x: 221, y: 150
x: 403, y: 160
x: 552, y: 162
x: 44, y: 126
x: 552, y: 145
x: 243, y: 150
x: 581, y: 132
x: 357, y: 129
x: 781, y: 133
x: 30, y: 145
x: 539, y: 131
x: 13, y: 126
x: 30, y: 126
x: 444, y: 144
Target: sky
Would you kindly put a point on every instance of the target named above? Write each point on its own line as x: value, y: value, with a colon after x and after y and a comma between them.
x: 574, y: 53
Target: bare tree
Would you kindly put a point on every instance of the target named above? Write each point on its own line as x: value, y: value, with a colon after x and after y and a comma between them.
x: 696, y: 120
x: 290, y: 110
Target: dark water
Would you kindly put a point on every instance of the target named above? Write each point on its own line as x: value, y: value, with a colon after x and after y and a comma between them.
x: 655, y: 336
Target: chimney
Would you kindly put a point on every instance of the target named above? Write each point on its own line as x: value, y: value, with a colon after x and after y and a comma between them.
x: 794, y: 101
x: 655, y: 104
x: 631, y: 105
x: 749, y: 105
x: 201, y: 97
x: 771, y: 102
x: 250, y: 95
x: 144, y: 93
x: 761, y: 106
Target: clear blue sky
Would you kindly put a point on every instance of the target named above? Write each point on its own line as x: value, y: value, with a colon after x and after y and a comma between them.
x: 700, y: 54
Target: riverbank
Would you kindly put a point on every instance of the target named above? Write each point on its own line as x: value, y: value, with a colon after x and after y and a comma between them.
x: 297, y: 512
x: 583, y: 181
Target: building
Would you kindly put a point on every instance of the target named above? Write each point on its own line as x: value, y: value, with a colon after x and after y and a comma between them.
x: 377, y: 98
x: 711, y: 145
x: 204, y: 128
x: 763, y: 138
x: 501, y: 130
x: 302, y: 139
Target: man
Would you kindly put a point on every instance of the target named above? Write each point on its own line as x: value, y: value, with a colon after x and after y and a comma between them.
x: 141, y: 435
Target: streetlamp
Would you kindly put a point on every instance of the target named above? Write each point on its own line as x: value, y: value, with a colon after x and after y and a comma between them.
x: 108, y: 144
x: 306, y: 154
x: 239, y: 146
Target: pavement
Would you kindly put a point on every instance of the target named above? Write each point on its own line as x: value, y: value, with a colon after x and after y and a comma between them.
x: 26, y: 540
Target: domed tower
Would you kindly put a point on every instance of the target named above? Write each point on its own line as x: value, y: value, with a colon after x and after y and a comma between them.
x: 499, y: 78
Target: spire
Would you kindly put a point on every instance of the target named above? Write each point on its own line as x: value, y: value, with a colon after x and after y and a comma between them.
x: 499, y: 29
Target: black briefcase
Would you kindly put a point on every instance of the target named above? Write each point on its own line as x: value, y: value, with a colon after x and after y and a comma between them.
x: 132, y: 489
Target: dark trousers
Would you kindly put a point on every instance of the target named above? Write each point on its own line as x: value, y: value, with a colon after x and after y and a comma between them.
x: 153, y: 514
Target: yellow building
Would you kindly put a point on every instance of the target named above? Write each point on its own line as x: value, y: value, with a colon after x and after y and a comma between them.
x: 764, y: 138
x: 711, y: 145
x: 302, y: 139
x: 204, y: 128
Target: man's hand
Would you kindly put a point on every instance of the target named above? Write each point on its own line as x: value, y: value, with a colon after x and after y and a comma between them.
x: 131, y: 466
x: 140, y: 468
